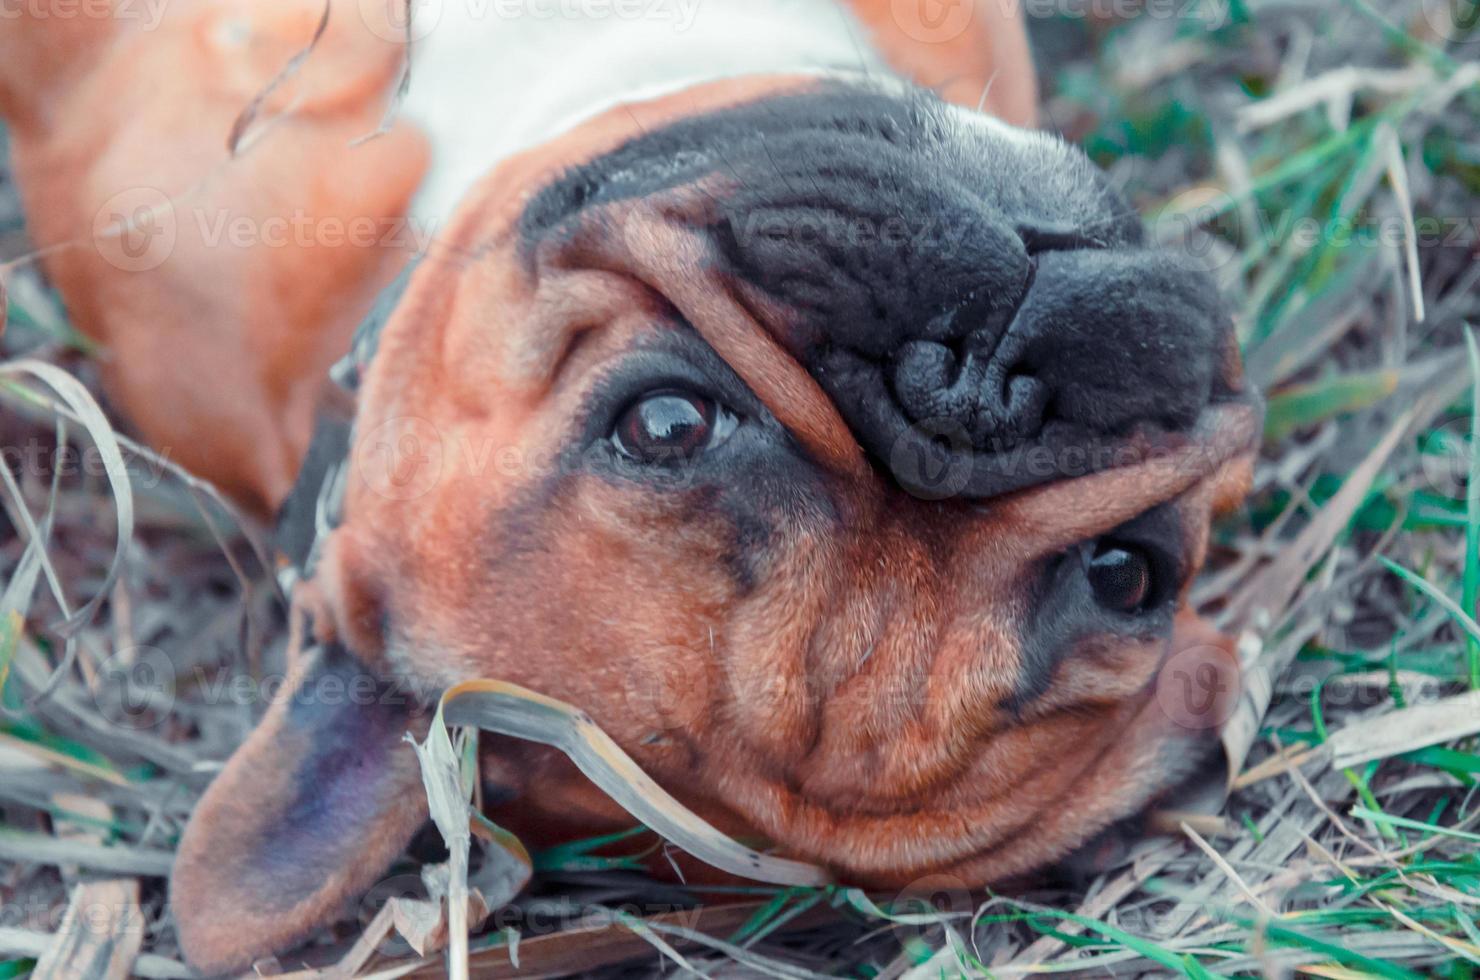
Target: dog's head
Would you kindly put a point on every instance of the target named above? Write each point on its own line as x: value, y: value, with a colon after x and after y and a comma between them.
x: 846, y: 455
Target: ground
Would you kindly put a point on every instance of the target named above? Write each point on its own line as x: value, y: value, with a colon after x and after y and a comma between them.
x: 1324, y: 157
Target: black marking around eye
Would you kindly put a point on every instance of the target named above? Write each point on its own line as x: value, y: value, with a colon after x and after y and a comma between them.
x: 1062, y: 613
x: 760, y: 485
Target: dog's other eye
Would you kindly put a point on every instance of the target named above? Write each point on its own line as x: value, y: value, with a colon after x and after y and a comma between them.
x: 671, y: 425
x: 1122, y: 577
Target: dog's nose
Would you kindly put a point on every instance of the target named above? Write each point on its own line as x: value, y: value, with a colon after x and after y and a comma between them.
x: 960, y: 378
x: 1100, y: 340
x: 964, y: 336
x: 1104, y: 339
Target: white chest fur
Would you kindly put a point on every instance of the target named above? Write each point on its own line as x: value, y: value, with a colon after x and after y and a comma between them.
x: 493, y: 77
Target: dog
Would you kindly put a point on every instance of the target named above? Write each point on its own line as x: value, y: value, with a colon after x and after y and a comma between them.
x: 765, y: 386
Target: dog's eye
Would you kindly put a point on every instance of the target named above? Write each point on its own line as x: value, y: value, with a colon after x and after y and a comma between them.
x: 670, y: 426
x: 1121, y: 577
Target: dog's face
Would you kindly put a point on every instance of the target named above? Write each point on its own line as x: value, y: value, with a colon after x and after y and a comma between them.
x: 845, y: 455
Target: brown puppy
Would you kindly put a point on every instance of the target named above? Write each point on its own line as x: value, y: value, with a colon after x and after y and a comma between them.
x: 843, y: 452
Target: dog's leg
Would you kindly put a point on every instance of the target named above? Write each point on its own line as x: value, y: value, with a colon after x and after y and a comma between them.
x: 221, y: 285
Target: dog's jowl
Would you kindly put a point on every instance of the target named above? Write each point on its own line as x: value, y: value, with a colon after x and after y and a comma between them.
x: 745, y: 373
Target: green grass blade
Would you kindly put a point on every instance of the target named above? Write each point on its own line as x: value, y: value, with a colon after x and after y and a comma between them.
x: 10, y: 639
x: 1284, y: 936
x: 1452, y: 761
x: 1410, y: 45
x: 1183, y: 965
x: 1468, y: 624
x: 1304, y: 405
x: 764, y: 915
x: 1388, y: 818
x: 578, y: 855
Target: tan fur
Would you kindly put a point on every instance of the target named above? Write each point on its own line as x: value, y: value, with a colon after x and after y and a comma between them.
x: 217, y: 351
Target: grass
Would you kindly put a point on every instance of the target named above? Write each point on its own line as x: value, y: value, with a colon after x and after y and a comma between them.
x: 1319, y: 197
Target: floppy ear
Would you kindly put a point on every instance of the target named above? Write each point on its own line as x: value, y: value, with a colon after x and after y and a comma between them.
x: 309, y: 811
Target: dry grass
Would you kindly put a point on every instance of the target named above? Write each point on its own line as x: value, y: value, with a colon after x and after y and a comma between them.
x: 1325, y: 157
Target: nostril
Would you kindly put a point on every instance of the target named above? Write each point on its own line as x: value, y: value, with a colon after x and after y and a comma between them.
x: 936, y: 381
x: 1022, y: 406
x: 1047, y: 237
